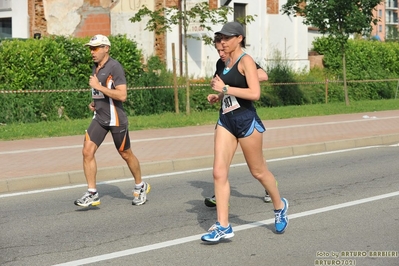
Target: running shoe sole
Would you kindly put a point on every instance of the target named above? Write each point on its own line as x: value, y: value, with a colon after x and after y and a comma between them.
x: 209, y: 202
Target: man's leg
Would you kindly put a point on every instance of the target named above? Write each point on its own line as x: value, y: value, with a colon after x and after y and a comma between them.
x: 122, y: 143
x: 95, y: 135
x: 141, y: 188
x: 133, y: 164
x: 89, y: 163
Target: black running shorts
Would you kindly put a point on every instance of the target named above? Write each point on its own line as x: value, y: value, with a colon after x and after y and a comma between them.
x: 241, y: 123
x: 120, y: 134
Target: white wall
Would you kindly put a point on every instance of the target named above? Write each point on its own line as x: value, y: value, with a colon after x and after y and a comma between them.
x: 120, y: 24
x: 62, y: 17
x: 266, y: 35
x: 202, y: 58
x: 287, y: 38
x: 18, y: 11
x: 288, y: 42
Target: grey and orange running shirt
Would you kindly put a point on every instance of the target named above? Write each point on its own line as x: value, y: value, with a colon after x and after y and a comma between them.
x: 109, y: 112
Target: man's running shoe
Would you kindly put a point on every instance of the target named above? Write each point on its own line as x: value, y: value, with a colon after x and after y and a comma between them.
x: 281, y: 219
x: 88, y: 199
x: 217, y: 232
x: 140, y: 194
x: 267, y: 197
x: 210, y: 202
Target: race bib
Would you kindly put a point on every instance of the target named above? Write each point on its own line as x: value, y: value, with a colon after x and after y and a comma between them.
x: 229, y: 103
x: 96, y: 94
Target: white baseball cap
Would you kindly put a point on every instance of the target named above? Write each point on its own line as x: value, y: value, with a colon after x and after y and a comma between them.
x: 98, y: 40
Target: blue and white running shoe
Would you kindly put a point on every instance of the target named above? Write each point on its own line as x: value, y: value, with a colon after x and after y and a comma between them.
x: 281, y: 219
x: 217, y: 232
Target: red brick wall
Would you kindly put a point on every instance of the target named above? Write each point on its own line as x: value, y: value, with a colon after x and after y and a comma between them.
x: 38, y: 23
x: 170, y: 3
x: 93, y: 24
x: 272, y: 6
x: 213, y: 4
x: 160, y: 40
x: 95, y: 19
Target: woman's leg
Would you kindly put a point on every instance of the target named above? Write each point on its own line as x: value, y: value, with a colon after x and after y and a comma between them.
x: 252, y: 147
x: 225, y: 145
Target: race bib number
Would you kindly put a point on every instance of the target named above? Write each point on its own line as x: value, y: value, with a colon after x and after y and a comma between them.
x: 229, y: 103
x: 96, y: 94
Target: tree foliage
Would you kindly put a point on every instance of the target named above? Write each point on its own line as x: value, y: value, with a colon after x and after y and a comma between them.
x: 339, y: 18
x: 162, y: 20
x: 336, y: 18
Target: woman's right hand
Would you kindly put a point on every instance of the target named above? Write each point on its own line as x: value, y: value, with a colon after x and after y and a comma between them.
x: 213, y: 98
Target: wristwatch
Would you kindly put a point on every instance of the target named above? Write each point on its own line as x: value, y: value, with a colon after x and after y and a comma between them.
x: 225, y: 89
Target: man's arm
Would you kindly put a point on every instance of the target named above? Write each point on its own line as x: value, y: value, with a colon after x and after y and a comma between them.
x: 119, y: 93
x: 262, y: 75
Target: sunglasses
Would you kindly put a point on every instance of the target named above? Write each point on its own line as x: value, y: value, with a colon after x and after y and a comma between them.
x: 96, y: 48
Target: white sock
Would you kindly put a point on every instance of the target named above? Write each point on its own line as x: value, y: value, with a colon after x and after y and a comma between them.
x: 139, y: 185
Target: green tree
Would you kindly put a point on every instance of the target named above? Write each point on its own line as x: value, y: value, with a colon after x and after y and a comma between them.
x: 336, y: 18
x: 162, y: 20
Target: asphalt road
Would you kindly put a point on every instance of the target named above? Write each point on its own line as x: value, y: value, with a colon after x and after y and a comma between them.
x: 342, y: 203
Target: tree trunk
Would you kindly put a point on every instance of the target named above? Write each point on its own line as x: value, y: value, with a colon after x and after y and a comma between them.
x: 186, y: 62
x: 345, y: 85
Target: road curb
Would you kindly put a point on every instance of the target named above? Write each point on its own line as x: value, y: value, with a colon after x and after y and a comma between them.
x: 160, y: 167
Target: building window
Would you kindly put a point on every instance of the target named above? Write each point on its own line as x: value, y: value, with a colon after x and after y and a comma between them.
x: 380, y: 13
x: 379, y: 28
x: 240, y: 12
x: 5, y: 28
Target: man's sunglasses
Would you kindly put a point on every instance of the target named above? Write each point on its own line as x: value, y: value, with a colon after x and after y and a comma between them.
x: 95, y: 48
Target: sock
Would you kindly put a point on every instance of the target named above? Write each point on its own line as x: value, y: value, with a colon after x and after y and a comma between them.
x: 92, y: 190
x: 137, y: 186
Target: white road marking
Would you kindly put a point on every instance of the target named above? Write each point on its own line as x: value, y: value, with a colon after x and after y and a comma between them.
x: 180, y: 172
x: 179, y: 241
x: 195, y: 135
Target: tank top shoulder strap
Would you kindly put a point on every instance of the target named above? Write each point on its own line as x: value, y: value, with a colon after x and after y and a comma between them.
x: 226, y: 70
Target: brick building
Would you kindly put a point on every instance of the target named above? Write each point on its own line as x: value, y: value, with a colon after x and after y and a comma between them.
x: 387, y: 26
x: 271, y: 33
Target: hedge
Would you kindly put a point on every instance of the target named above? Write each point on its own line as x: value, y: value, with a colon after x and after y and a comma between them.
x: 62, y: 65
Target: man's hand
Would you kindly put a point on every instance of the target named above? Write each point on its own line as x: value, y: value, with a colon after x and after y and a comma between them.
x: 94, y: 83
x: 92, y: 106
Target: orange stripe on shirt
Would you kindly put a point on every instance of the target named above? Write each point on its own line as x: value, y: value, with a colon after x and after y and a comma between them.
x: 109, y: 83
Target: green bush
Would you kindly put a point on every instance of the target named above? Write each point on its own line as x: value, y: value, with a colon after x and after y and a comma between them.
x: 287, y: 94
x: 30, y: 68
x: 366, y: 61
x: 61, y: 65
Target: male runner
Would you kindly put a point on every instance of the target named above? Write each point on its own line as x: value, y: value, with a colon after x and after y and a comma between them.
x: 109, y: 90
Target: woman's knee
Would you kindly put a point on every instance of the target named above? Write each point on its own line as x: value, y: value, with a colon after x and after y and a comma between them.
x: 220, y: 174
x: 260, y: 173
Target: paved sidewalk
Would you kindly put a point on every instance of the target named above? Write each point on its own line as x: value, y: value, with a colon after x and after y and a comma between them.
x: 52, y: 162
